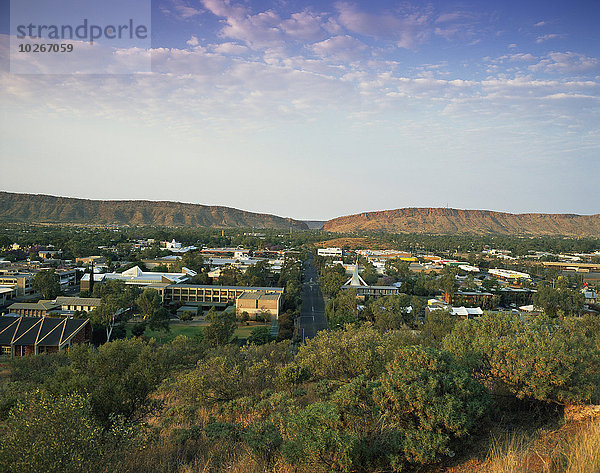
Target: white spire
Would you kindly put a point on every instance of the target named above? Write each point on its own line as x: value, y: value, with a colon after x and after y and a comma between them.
x: 356, y: 280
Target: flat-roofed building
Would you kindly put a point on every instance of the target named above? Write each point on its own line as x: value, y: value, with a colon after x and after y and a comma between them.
x: 7, y: 293
x: 259, y: 302
x: 22, y: 336
x: 508, y: 274
x: 210, y: 295
x: 21, y: 281
x: 330, y: 252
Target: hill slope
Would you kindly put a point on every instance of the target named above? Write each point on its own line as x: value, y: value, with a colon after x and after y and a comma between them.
x: 477, y: 222
x: 34, y: 208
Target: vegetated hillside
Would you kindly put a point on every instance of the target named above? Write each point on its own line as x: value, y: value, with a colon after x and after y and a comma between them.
x: 34, y: 208
x: 477, y: 222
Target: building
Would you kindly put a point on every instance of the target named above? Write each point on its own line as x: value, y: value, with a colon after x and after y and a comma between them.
x: 470, y: 298
x: 135, y: 276
x: 7, y: 293
x: 256, y: 302
x: 218, y: 296
x: 81, y: 304
x: 97, y: 260
x: 364, y: 290
x: 35, y: 309
x: 508, y: 274
x: 22, y: 336
x: 19, y: 280
x: 333, y: 252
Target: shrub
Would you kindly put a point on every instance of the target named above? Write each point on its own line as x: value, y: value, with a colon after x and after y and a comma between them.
x: 430, y: 400
x: 545, y: 359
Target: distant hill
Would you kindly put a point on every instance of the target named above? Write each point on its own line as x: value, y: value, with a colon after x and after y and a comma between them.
x: 475, y: 222
x: 34, y: 208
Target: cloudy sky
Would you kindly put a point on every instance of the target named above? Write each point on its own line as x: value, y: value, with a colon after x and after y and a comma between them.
x: 319, y: 109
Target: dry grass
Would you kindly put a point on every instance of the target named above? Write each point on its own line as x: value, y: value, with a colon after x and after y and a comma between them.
x: 572, y: 449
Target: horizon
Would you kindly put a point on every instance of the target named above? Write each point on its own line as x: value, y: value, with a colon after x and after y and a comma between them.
x: 295, y: 218
x: 323, y: 109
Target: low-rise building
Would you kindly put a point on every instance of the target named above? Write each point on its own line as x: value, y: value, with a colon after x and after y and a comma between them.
x: 508, y: 274
x: 330, y: 252
x: 81, y: 304
x: 135, y: 276
x: 35, y: 309
x: 218, y: 296
x: 260, y: 302
x: 21, y: 336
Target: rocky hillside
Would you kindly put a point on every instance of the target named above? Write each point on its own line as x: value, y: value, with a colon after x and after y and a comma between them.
x: 33, y: 208
x: 477, y: 222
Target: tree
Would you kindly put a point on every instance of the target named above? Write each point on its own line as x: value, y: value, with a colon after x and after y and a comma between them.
x: 260, y: 336
x: 438, y: 324
x: 392, y: 312
x: 369, y: 274
x: 220, y: 329
x: 152, y: 310
x: 117, y: 299
x: 342, y: 309
x: 558, y: 301
x: 47, y: 283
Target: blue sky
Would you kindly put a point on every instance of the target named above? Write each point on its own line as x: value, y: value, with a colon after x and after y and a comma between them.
x: 316, y: 110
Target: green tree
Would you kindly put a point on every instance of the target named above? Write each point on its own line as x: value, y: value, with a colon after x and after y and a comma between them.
x: 47, y: 283
x: 342, y: 309
x: 220, y: 329
x: 260, y: 336
x: 438, y: 324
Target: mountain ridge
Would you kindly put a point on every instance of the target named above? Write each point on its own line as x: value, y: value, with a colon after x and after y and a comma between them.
x: 459, y: 221
x: 42, y: 208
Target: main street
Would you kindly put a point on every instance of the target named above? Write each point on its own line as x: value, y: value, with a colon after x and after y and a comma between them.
x: 312, y: 311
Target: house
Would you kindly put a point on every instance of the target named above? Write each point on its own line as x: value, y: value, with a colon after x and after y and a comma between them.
x: 22, y: 336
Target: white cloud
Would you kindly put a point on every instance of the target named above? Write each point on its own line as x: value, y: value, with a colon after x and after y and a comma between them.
x: 181, y: 9
x: 230, y: 48
x: 566, y: 63
x: 407, y: 30
x: 345, y: 48
x: 193, y: 41
x: 547, y: 37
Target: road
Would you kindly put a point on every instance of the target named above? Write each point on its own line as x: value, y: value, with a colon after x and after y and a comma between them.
x: 312, y: 311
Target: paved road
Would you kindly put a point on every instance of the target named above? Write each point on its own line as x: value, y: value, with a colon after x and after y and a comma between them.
x: 312, y: 311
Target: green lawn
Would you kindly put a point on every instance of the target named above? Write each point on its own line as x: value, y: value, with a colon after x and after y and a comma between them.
x: 189, y: 330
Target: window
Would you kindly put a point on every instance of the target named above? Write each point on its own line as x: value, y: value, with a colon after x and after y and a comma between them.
x: 6, y: 350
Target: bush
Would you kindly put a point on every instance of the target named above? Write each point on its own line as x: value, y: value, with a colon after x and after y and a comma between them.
x: 429, y: 400
x: 54, y: 434
x: 544, y: 359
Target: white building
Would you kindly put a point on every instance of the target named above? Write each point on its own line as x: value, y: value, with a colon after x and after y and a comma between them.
x: 334, y: 252
x: 508, y: 274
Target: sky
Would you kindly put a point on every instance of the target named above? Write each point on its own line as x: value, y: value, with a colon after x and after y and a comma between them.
x: 315, y: 110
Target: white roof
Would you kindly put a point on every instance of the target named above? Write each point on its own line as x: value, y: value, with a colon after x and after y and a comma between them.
x: 466, y: 311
